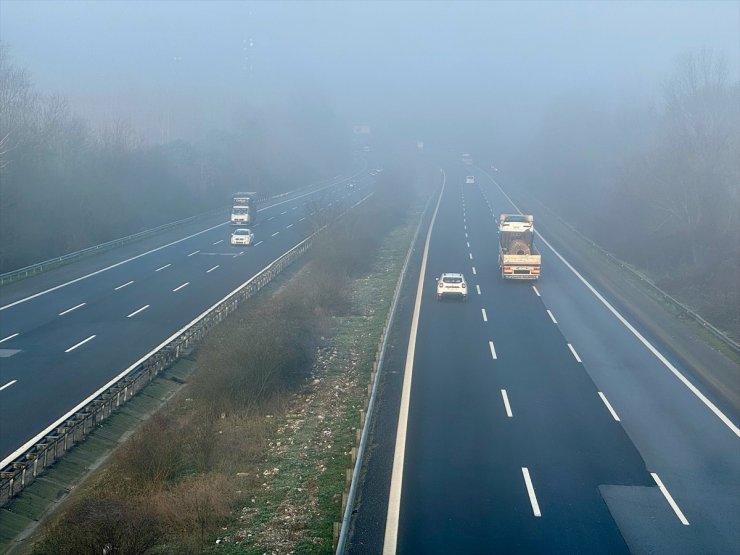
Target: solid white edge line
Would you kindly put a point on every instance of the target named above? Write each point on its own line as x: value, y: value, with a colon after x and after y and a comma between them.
x: 216, y: 266
x: 73, y: 347
x: 477, y: 288
x: 124, y: 285
x: 711, y: 406
x: 493, y: 350
x: 71, y: 309
x: 8, y: 384
x: 163, y: 267
x: 28, y: 444
x: 554, y: 321
x: 530, y: 492
x: 135, y: 312
x: 536, y: 291
x: 506, y: 403
x: 572, y: 350
x: 181, y: 286
x: 194, y: 253
x: 670, y: 500
x: 394, y: 498
x: 9, y: 337
x: 483, y: 313
x: 609, y: 406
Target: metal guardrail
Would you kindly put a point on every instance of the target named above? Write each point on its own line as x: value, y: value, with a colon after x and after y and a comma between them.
x: 675, y: 303
x: 20, y: 473
x: 39, y: 267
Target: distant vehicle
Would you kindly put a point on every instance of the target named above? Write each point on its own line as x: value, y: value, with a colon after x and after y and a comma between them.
x: 467, y: 159
x: 350, y: 185
x: 242, y: 236
x: 243, y: 211
x: 469, y: 180
x: 365, y: 149
x: 518, y: 257
x: 451, y: 284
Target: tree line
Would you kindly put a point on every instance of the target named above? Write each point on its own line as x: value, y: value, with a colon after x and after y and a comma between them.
x: 66, y: 184
x: 657, y: 184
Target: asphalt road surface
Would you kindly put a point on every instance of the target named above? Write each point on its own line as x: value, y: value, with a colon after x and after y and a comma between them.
x: 67, y: 332
x: 538, y: 420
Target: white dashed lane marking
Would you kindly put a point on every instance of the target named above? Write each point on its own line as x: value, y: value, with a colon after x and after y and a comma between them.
x: 163, y: 267
x: 181, y: 286
x: 7, y: 385
x: 609, y: 406
x: 483, y: 313
x: 9, y: 337
x: 554, y: 321
x: 71, y: 309
x: 216, y: 266
x: 135, y: 312
x: 193, y: 253
x: 670, y: 500
x: 530, y: 492
x: 73, y: 347
x: 507, y: 406
x: 218, y: 242
x: 124, y: 285
x: 493, y: 350
x: 276, y: 233
x: 572, y: 350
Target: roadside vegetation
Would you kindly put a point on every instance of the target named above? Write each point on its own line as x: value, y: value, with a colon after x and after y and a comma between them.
x: 250, y: 456
x: 91, y: 182
x: 657, y: 185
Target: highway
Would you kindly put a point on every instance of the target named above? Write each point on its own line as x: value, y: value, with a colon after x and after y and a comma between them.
x: 67, y: 332
x: 535, y: 418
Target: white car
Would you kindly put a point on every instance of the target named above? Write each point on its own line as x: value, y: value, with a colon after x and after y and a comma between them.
x: 452, y: 285
x: 469, y: 180
x: 242, y: 236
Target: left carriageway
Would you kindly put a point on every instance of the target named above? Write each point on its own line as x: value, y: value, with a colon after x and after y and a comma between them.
x: 67, y: 332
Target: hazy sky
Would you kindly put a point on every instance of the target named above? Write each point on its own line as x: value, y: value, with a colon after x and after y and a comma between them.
x: 180, y: 60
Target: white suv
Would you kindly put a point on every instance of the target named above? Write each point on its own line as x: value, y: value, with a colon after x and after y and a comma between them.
x: 242, y: 237
x: 470, y: 180
x: 452, y: 285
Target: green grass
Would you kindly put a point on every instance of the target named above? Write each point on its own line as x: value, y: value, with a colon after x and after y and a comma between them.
x: 317, y: 432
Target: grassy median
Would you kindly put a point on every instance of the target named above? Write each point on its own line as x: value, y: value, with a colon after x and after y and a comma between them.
x: 251, y: 455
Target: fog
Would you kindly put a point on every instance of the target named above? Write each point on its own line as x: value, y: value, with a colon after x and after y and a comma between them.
x: 603, y: 112
x: 173, y: 68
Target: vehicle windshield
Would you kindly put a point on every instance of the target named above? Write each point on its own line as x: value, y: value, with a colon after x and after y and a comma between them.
x: 239, y: 210
x: 241, y: 232
x: 452, y: 280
